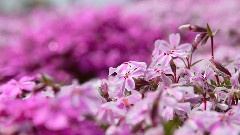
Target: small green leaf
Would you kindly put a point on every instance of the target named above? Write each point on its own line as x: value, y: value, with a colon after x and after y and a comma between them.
x: 198, y: 90
x: 104, y: 126
x: 213, y: 82
x: 227, y: 83
x: 209, y: 31
x: 63, y: 82
x: 46, y: 80
x: 171, y: 126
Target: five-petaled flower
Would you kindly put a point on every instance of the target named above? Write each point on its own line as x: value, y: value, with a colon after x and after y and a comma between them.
x: 165, y: 51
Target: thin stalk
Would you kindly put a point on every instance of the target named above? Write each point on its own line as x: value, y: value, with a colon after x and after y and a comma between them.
x: 191, y: 58
x: 212, y: 46
x: 188, y: 63
x: 218, y: 81
x: 175, y: 77
x: 205, y: 101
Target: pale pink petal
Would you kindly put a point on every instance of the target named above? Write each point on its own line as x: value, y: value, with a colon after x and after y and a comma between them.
x: 167, y: 113
x: 26, y: 85
x: 130, y: 84
x: 138, y: 72
x: 162, y: 46
x: 177, y: 94
x: 155, y: 131
x: 152, y: 73
x: 185, y: 47
x: 169, y: 101
x: 159, y: 59
x: 166, y: 80
x: 234, y: 79
x: 174, y: 40
x: 112, y: 70
x: 138, y: 64
x: 167, y: 60
x: 183, y: 107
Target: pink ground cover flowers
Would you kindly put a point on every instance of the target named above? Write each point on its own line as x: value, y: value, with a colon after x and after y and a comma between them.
x: 84, y: 42
x: 163, y: 97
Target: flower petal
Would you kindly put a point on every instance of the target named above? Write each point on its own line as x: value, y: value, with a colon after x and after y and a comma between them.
x: 174, y: 40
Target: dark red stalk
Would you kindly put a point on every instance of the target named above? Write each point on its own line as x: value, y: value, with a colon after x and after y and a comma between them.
x: 188, y: 63
x: 217, y: 78
x: 212, y: 46
x: 205, y: 101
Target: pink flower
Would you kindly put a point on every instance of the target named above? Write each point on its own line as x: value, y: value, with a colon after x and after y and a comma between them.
x: 156, y: 71
x: 51, y: 117
x: 13, y: 88
x: 165, y: 51
x: 109, y: 113
x: 127, y: 71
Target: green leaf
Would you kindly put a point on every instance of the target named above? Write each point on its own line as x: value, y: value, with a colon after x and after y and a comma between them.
x: 63, y: 82
x: 46, y: 80
x: 104, y: 126
x: 196, y: 62
x: 227, y: 83
x: 209, y: 31
x: 198, y: 90
x: 213, y: 82
x: 171, y: 125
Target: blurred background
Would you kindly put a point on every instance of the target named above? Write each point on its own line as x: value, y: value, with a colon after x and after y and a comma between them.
x: 81, y: 39
x: 11, y: 6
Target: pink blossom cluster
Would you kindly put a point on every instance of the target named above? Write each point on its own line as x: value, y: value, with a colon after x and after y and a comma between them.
x: 37, y: 106
x: 82, y: 43
x: 78, y: 44
x: 171, y: 95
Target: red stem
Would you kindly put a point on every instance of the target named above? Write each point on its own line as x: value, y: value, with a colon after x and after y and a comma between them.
x: 188, y: 63
x: 175, y: 77
x: 212, y: 46
x: 217, y: 78
x: 205, y: 101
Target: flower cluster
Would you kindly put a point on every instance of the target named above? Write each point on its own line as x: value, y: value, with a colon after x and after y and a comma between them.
x: 171, y: 95
x: 38, y: 106
x: 80, y: 44
x: 168, y: 98
x: 84, y: 43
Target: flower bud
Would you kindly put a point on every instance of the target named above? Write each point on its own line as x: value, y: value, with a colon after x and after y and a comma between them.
x: 200, y: 39
x: 219, y: 69
x: 193, y: 28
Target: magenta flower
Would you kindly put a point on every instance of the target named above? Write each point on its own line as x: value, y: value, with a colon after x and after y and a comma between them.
x: 51, y: 117
x: 14, y: 89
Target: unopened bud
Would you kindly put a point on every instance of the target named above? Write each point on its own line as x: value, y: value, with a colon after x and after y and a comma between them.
x: 200, y: 39
x: 103, y: 90
x: 193, y: 28
x: 219, y: 69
